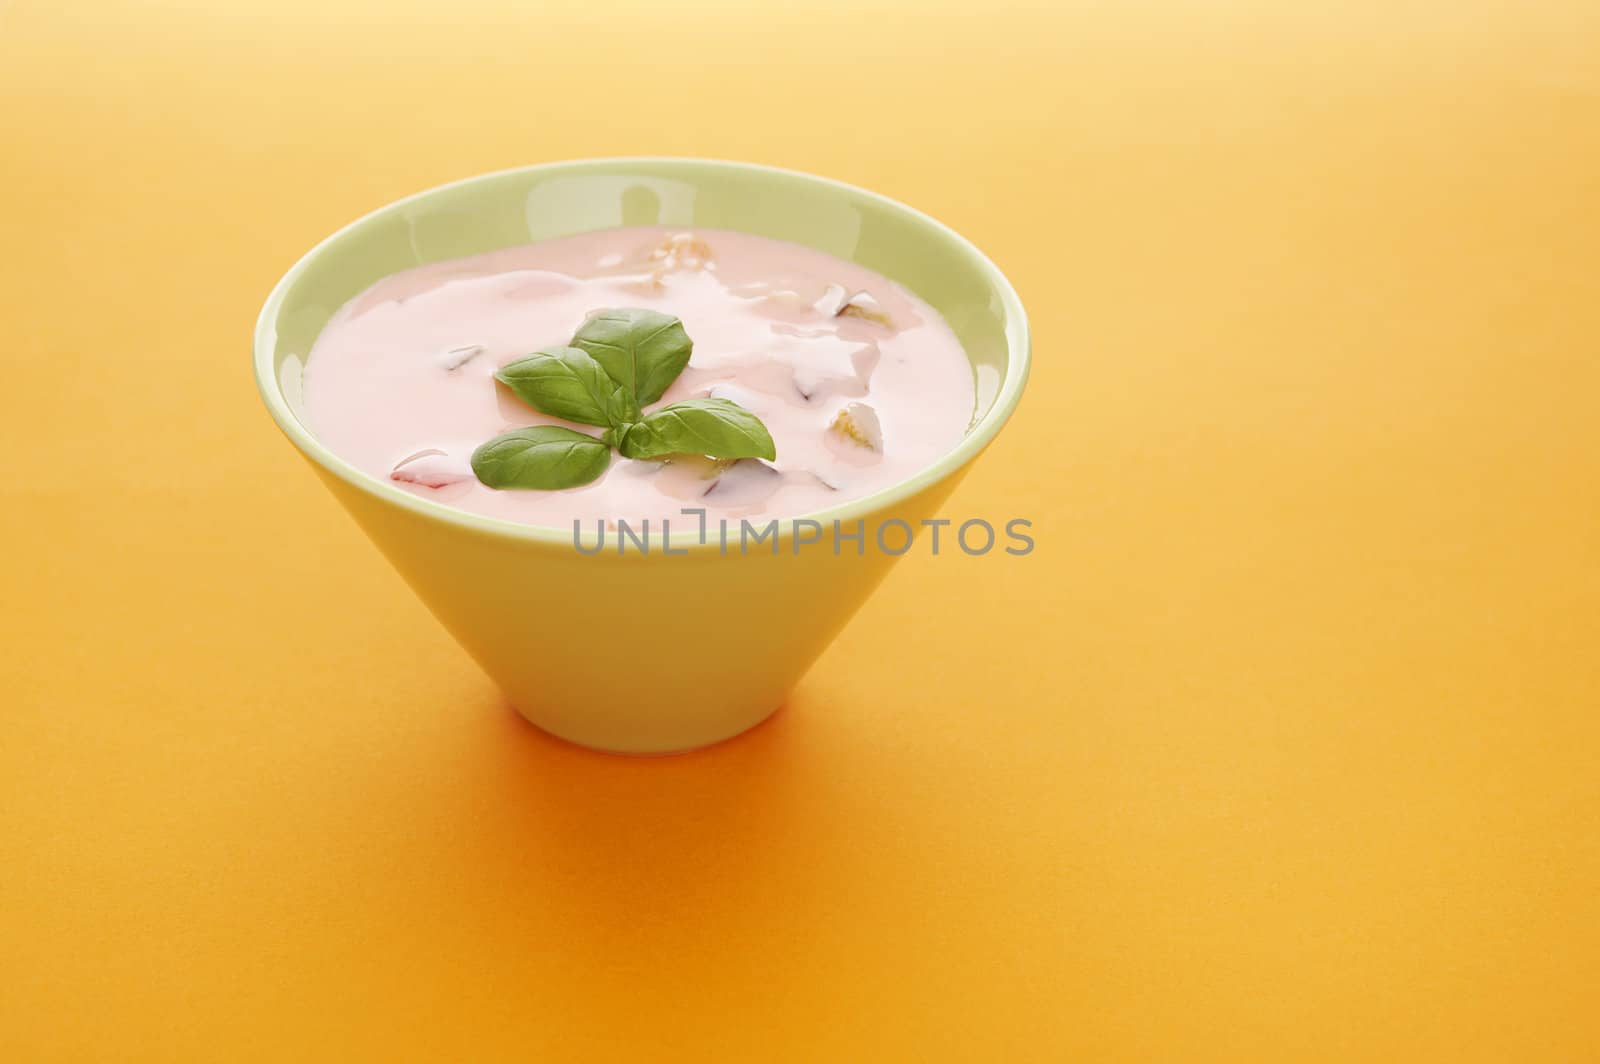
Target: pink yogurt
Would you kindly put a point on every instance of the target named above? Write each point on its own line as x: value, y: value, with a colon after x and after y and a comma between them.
x: 401, y: 381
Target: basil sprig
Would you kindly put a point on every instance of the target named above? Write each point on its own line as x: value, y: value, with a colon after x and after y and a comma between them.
x: 619, y: 361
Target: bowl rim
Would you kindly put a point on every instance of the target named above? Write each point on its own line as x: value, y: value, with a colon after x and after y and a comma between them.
x: 979, y: 435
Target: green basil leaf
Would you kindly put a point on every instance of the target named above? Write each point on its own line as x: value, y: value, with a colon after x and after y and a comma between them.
x: 545, y: 457
x: 718, y: 428
x: 642, y: 350
x: 565, y: 382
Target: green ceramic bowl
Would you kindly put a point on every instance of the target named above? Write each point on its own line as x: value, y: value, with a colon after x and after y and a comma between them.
x: 492, y: 582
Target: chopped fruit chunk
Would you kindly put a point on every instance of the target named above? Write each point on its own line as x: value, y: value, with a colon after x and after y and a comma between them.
x: 795, y: 298
x: 730, y: 482
x: 687, y: 476
x: 806, y: 476
x: 863, y: 305
x: 832, y: 301
x: 644, y: 284
x: 731, y: 392
x: 645, y: 271
x: 818, y: 377
x: 640, y: 467
x: 794, y: 362
x: 855, y: 429
x: 744, y: 483
x: 681, y: 251
x: 754, y: 401
x: 457, y: 357
x: 784, y: 300
x: 798, y: 299
x: 700, y: 466
x: 431, y: 469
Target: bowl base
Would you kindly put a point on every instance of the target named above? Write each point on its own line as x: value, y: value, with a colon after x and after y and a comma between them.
x: 668, y: 751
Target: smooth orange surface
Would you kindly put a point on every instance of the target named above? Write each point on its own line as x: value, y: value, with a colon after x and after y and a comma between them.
x: 1283, y: 745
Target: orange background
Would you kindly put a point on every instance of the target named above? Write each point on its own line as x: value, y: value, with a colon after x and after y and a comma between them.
x: 1283, y: 745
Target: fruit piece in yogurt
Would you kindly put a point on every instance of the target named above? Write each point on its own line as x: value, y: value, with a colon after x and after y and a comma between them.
x: 683, y: 476
x: 646, y: 271
x: 681, y: 251
x: 457, y: 357
x: 807, y: 365
x: 862, y: 305
x: 855, y: 432
x: 746, y: 483
x: 432, y: 468
x: 796, y: 299
x: 731, y: 483
x: 817, y: 378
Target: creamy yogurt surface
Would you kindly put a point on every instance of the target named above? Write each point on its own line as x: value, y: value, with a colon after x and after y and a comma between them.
x: 860, y: 383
